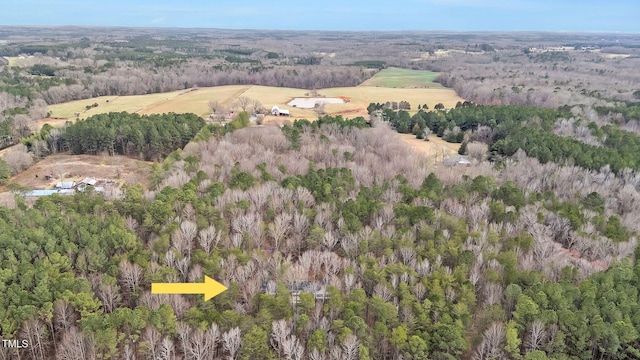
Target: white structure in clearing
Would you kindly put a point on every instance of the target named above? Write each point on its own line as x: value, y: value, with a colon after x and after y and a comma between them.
x: 276, y: 111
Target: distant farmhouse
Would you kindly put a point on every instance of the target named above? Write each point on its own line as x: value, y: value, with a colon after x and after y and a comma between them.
x: 66, y: 188
x: 276, y: 111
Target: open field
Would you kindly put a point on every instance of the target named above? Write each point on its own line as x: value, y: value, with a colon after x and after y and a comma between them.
x: 403, y: 78
x: 55, y: 122
x: 435, y: 147
x: 362, y: 96
x: 26, y: 61
x: 120, y: 169
x: 106, y: 104
x: 196, y: 100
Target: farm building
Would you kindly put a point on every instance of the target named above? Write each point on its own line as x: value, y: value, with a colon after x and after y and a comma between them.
x: 276, y: 111
x: 89, y: 181
x: 39, y: 193
x: 66, y: 185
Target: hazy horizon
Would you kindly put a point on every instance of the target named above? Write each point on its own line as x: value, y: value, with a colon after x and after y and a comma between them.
x: 331, y: 15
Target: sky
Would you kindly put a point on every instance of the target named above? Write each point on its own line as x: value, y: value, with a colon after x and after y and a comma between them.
x: 458, y: 15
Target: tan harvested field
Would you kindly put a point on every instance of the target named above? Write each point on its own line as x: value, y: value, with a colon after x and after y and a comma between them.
x: 435, y: 147
x: 106, y: 104
x: 196, y: 100
x: 362, y: 96
x: 121, y: 169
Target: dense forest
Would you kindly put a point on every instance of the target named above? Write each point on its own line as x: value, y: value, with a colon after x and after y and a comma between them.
x: 385, y: 259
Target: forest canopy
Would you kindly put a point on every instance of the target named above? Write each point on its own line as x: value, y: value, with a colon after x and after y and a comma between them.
x: 151, y: 136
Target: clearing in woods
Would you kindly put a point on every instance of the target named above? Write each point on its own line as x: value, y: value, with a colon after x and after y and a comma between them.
x: 404, y: 78
x: 434, y: 148
x: 121, y: 169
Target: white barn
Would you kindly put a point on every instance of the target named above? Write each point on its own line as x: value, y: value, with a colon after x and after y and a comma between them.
x: 276, y: 111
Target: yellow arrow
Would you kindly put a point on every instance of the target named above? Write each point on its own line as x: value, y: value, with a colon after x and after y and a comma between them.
x: 209, y: 288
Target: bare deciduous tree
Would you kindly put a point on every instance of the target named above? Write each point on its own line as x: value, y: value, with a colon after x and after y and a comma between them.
x: 315, y: 354
x: 279, y: 228
x: 167, y: 350
x: 199, y: 346
x: 350, y: 346
x: 74, y: 345
x: 257, y: 107
x: 244, y: 102
x: 280, y: 330
x: 110, y: 297
x: 491, y: 346
x: 231, y: 341
x: 535, y: 336
x: 383, y: 292
x: 18, y: 158
x: 64, y: 317
x: 292, y: 348
x: 130, y: 274
x: 151, y: 338
x: 209, y: 238
x: 214, y: 105
x: 35, y: 333
x: 492, y: 293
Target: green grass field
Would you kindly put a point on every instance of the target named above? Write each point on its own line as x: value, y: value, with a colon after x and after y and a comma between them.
x: 403, y: 78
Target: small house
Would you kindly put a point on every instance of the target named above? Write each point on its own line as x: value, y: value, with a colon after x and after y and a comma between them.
x: 89, y: 181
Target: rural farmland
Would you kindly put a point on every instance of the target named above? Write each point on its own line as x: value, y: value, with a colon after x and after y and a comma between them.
x: 196, y: 100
